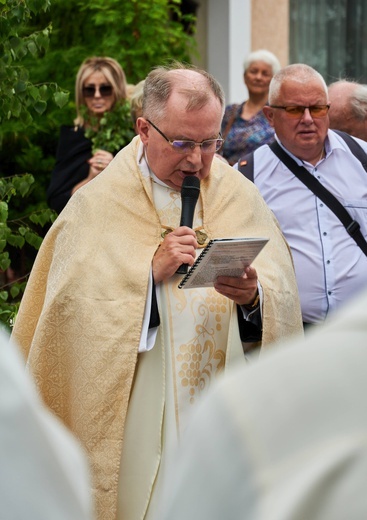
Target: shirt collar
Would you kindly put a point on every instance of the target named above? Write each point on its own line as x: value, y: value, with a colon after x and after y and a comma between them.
x: 330, y: 144
x: 144, y: 167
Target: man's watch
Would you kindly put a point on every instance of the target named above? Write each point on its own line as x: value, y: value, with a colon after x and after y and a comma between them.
x: 254, y: 304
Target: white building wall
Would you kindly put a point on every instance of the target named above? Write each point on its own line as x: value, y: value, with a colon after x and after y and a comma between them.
x: 228, y: 43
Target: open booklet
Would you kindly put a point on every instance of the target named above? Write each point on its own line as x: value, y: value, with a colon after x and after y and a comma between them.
x: 222, y: 257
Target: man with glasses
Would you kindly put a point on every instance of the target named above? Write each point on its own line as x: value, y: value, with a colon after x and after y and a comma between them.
x: 118, y: 350
x: 330, y: 266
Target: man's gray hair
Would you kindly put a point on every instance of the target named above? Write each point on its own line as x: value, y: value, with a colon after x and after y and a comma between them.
x: 299, y: 72
x: 265, y: 56
x: 358, y: 101
x: 355, y: 97
x: 162, y: 80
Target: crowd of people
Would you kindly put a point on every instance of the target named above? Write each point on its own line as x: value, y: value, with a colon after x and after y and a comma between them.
x: 152, y: 379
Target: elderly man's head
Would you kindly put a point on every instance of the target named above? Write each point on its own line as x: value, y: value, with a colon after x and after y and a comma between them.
x: 298, y: 110
x: 180, y: 127
x: 348, y: 107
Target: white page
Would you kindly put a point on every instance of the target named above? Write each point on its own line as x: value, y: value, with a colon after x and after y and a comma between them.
x: 222, y: 257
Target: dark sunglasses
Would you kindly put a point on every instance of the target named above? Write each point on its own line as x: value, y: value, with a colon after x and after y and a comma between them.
x: 104, y: 90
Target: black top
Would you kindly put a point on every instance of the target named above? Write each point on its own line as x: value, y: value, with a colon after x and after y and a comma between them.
x: 71, y: 167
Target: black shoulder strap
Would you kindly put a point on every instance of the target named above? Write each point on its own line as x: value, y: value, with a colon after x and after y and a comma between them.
x: 246, y: 163
x: 246, y: 166
x: 354, y: 147
x: 352, y: 226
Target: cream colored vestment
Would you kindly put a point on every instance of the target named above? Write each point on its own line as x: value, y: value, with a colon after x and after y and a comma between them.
x: 80, y: 319
x: 187, y: 364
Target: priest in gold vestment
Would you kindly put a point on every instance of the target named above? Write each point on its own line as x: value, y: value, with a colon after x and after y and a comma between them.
x: 118, y: 351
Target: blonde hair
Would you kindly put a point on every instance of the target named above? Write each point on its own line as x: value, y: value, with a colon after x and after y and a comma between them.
x: 136, y: 101
x: 114, y: 74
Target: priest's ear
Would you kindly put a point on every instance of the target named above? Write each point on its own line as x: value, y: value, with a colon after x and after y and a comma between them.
x: 144, y: 129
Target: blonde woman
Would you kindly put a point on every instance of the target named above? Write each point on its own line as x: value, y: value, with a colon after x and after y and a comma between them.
x: 100, y: 83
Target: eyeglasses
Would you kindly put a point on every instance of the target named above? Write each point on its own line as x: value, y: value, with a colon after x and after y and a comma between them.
x: 185, y: 146
x: 297, y: 111
x: 104, y: 90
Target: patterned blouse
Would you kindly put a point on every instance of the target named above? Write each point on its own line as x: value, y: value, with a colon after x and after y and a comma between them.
x: 244, y: 136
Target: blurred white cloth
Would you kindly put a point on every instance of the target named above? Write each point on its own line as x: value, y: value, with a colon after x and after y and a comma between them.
x: 43, y: 473
x: 283, y: 439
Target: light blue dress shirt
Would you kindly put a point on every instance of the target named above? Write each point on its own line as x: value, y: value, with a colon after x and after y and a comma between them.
x: 329, y: 265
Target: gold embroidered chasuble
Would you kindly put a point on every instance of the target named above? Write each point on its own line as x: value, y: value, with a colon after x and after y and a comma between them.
x: 80, y: 320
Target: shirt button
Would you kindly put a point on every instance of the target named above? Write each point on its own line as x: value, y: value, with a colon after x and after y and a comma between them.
x: 328, y: 262
x: 321, y: 205
x: 324, y: 234
x: 329, y: 293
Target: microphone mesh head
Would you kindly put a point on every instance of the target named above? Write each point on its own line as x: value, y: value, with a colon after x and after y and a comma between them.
x: 190, y: 187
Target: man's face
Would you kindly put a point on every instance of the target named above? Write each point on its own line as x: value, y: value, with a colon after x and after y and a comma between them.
x: 168, y: 165
x: 304, y: 137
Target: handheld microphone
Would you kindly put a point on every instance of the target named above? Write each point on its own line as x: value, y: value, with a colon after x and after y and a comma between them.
x: 190, y: 192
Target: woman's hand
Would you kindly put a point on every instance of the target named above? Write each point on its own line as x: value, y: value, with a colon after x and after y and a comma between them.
x: 98, y: 162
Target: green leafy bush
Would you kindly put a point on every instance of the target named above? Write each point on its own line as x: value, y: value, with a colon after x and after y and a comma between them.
x: 113, y: 131
x: 21, y: 101
x: 42, y: 44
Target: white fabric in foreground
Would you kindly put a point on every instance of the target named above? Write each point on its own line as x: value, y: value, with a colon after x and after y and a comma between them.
x: 43, y: 473
x: 285, y: 440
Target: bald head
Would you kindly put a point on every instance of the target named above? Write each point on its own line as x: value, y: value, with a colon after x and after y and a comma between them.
x: 196, y: 86
x: 348, y: 108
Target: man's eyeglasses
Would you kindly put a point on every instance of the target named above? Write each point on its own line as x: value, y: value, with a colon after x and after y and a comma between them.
x: 184, y: 146
x: 297, y: 111
x: 104, y: 90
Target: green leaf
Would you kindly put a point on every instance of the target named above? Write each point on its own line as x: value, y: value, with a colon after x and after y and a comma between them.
x: 3, y: 294
x: 32, y: 47
x: 3, y: 211
x: 61, y: 98
x: 22, y: 230
x: 16, y: 240
x: 21, y: 86
x: 42, y: 217
x: 43, y: 91
x: 15, y: 42
x: 34, y: 92
x: 4, y: 261
x: 23, y: 183
x: 14, y: 290
x: 33, y: 239
x: 40, y: 106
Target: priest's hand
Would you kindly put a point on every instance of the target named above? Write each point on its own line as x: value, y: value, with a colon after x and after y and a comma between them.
x: 178, y: 247
x: 242, y: 290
